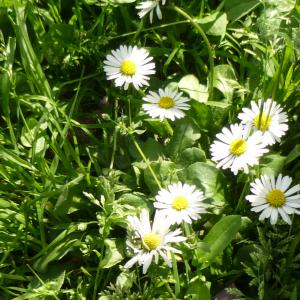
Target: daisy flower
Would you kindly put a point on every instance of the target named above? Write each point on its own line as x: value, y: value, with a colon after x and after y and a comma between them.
x: 129, y: 65
x: 148, y: 6
x: 149, y: 242
x: 237, y: 149
x: 271, y: 196
x: 166, y: 104
x: 267, y: 117
x: 180, y: 202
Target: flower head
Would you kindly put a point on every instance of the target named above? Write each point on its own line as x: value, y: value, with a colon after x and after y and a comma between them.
x: 237, y: 149
x: 149, y: 242
x: 271, y: 196
x: 129, y: 65
x: 149, y: 6
x: 180, y: 202
x: 166, y: 104
x: 266, y: 117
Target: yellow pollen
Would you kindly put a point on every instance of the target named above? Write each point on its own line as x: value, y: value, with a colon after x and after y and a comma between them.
x: 276, y: 198
x: 180, y: 203
x: 152, y: 240
x: 166, y: 102
x: 238, y: 147
x: 128, y: 67
x: 262, y: 122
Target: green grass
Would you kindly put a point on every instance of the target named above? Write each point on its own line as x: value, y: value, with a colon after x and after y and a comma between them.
x: 78, y: 155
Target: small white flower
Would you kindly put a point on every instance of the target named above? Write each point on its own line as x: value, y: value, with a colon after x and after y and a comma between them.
x: 149, y: 242
x: 266, y: 117
x: 166, y: 104
x: 180, y: 202
x: 237, y: 149
x: 129, y: 65
x: 272, y: 196
x: 148, y: 6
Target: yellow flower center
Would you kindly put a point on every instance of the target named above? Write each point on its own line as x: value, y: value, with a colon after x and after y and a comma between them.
x: 166, y: 102
x: 128, y: 67
x: 152, y: 240
x: 238, y: 147
x: 276, y: 198
x: 180, y: 203
x: 262, y: 122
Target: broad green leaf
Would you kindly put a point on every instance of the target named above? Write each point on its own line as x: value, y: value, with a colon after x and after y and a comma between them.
x: 12, y: 158
x: 56, y: 253
x: 272, y: 164
x: 294, y: 154
x: 190, y: 84
x: 158, y: 127
x: 192, y: 155
x: 53, y: 279
x: 133, y: 200
x: 114, y: 253
x: 225, y: 80
x: 219, y: 237
x: 185, y: 136
x: 153, y: 149
x: 236, y: 9
x: 214, y: 24
x: 206, y: 178
x: 198, y: 290
x: 165, y: 172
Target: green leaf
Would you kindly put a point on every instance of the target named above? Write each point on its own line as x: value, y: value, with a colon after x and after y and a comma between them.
x: 294, y: 294
x: 272, y: 164
x: 214, y: 24
x: 114, y: 253
x: 54, y: 278
x: 225, y: 80
x: 57, y: 253
x: 294, y: 154
x: 190, y: 84
x: 236, y: 9
x: 197, y: 290
x: 207, y: 178
x: 192, y: 155
x: 153, y: 149
x: 219, y: 237
x: 165, y: 172
x: 185, y: 135
x: 133, y: 200
x: 122, y: 1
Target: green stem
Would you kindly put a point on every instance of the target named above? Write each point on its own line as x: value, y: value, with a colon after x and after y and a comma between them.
x: 242, y: 201
x: 146, y: 161
x: 115, y: 136
x: 175, y: 274
x: 170, y: 290
x: 209, y: 49
x: 148, y: 29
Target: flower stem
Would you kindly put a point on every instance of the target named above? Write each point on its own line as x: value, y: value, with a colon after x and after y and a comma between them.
x: 208, y: 45
x: 114, y: 136
x: 146, y: 161
x: 175, y: 274
x: 241, y: 202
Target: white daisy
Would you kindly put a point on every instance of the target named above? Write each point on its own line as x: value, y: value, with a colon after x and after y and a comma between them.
x: 129, y: 65
x: 272, y: 196
x: 148, y: 6
x: 180, y: 202
x: 237, y: 149
x: 166, y: 104
x: 267, y: 117
x: 149, y: 242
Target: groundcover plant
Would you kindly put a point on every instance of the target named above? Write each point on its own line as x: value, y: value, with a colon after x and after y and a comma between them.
x: 149, y: 149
